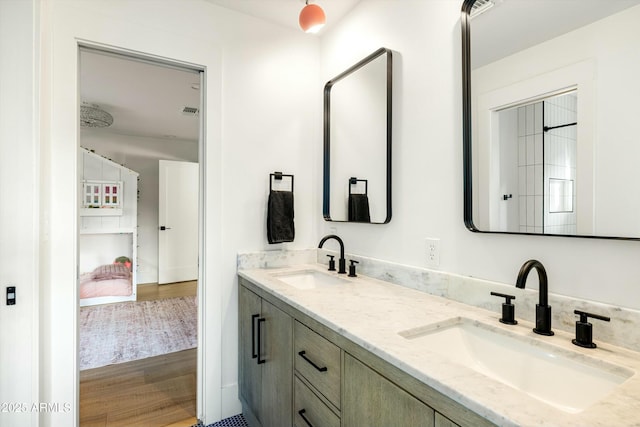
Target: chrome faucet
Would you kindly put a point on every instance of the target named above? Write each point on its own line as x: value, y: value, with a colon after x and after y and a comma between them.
x: 543, y: 309
x: 342, y: 263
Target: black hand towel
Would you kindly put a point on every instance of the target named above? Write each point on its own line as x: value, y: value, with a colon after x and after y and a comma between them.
x: 280, y: 226
x: 359, y: 208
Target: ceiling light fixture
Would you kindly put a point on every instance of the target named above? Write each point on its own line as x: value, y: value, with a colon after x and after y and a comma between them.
x: 92, y: 116
x: 312, y: 18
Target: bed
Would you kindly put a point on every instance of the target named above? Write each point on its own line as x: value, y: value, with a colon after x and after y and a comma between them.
x: 108, y: 228
x: 106, y: 284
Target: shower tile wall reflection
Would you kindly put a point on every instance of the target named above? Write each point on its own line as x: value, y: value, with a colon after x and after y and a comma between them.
x: 530, y: 168
x: 560, y: 147
x: 543, y: 157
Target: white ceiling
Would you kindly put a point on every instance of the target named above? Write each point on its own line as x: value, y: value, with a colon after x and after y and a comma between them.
x: 144, y: 99
x: 513, y: 25
x: 286, y: 12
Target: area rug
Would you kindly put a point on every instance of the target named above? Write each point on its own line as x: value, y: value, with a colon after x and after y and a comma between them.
x: 122, y: 332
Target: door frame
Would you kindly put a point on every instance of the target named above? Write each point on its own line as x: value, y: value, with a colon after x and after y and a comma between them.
x: 206, y: 374
x: 63, y: 27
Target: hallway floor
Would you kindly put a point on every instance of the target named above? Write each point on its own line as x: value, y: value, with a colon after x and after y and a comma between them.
x: 156, y: 391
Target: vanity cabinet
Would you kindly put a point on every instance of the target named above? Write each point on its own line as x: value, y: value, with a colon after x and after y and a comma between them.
x: 314, y: 376
x: 266, y: 363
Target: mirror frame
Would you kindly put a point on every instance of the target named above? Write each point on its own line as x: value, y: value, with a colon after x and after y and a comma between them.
x: 467, y: 139
x: 326, y: 186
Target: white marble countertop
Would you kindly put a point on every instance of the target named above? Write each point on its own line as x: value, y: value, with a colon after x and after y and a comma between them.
x: 371, y: 312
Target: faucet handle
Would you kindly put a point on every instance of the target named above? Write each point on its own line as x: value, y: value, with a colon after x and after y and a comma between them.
x: 332, y: 263
x: 584, y: 329
x: 508, y: 309
x: 352, y: 268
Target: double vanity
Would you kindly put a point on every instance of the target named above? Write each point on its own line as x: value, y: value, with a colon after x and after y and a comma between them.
x: 323, y: 349
x: 401, y: 346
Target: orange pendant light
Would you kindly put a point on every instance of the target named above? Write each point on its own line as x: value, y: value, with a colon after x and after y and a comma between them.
x: 311, y: 18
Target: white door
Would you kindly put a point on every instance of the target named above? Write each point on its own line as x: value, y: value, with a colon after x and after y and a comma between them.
x: 177, y: 222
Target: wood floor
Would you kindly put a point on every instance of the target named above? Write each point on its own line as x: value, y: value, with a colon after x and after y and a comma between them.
x: 153, y: 392
x: 151, y: 291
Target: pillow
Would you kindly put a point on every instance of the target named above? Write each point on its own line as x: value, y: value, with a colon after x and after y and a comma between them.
x: 111, y: 271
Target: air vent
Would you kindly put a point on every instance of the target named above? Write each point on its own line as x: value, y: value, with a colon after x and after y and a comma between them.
x: 190, y: 111
x: 481, y: 6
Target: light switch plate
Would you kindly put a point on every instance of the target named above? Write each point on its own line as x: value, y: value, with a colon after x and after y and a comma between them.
x: 11, y: 295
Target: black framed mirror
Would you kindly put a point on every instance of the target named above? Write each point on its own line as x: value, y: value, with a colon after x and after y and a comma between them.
x: 550, y: 137
x: 357, y: 142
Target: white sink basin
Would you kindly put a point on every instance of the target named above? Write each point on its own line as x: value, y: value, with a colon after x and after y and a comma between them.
x: 309, y: 279
x: 569, y: 381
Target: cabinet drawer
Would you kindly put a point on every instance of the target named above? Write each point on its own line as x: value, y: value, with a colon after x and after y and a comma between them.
x: 309, y: 406
x: 318, y: 361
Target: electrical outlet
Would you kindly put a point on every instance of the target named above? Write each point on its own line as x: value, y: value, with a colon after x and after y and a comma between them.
x: 433, y: 252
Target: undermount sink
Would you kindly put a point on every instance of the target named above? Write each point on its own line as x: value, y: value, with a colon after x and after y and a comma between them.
x: 568, y: 381
x: 309, y: 279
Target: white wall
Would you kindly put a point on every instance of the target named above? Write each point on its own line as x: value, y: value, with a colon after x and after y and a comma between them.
x: 18, y: 216
x: 261, y: 117
x: 141, y: 155
x: 427, y: 153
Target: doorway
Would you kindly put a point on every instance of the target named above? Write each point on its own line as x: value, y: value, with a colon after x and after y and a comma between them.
x: 154, y: 110
x: 537, y: 166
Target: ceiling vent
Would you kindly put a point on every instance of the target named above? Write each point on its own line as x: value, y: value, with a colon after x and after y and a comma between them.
x: 190, y: 111
x: 481, y: 6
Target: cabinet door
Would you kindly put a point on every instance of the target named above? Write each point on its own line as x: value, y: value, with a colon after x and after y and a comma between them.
x: 277, y: 371
x: 249, y: 370
x: 442, y: 421
x: 373, y: 401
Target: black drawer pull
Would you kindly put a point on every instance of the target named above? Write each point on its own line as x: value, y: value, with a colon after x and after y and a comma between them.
x: 302, y: 353
x: 253, y: 336
x: 260, y: 360
x: 301, y: 412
